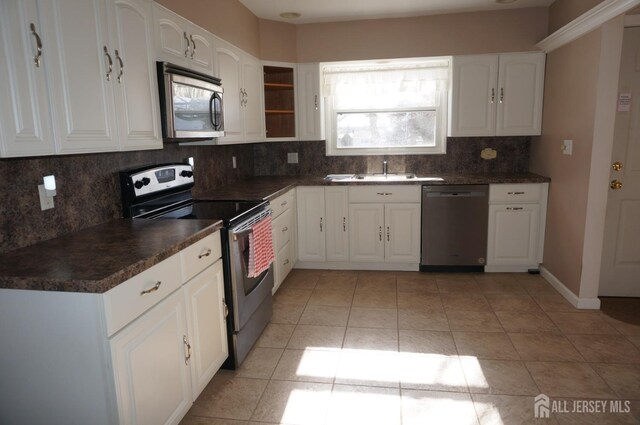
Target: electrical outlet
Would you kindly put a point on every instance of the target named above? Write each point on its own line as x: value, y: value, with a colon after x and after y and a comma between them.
x: 191, y: 161
x: 234, y: 162
x: 292, y: 158
x: 46, y: 202
x: 567, y: 147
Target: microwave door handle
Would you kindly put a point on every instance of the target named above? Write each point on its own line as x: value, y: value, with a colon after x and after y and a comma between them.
x: 216, y: 124
x: 212, y: 113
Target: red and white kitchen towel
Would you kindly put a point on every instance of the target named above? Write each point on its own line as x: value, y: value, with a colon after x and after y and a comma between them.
x: 260, y: 247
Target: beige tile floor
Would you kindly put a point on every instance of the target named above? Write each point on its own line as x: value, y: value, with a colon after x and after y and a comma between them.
x: 346, y: 347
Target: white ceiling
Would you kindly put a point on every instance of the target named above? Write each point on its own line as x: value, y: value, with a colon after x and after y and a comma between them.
x: 348, y: 10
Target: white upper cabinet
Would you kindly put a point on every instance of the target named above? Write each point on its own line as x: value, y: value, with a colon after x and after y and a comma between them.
x: 183, y: 43
x: 242, y: 78
x: 25, y: 126
x: 309, y: 105
x: 497, y: 95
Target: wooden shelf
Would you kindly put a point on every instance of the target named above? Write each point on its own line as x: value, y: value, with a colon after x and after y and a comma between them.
x: 278, y: 86
x: 279, y: 111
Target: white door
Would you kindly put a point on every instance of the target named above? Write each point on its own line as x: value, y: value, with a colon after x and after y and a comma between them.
x: 229, y: 70
x: 474, y: 96
x: 309, y: 102
x: 82, y: 75
x: 366, y: 222
x: 172, y: 41
x: 252, y: 81
x: 204, y: 296
x: 402, y: 233
x: 520, y: 94
x: 149, y: 363
x: 337, y: 213
x: 24, y: 105
x: 513, y: 235
x: 202, y: 50
x: 621, y: 249
x: 311, y: 223
x: 136, y: 87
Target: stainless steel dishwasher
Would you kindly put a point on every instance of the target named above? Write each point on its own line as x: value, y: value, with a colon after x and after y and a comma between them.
x: 454, y: 227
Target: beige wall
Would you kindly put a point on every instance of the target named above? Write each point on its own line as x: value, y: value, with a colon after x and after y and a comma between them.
x: 561, y: 12
x: 569, y: 110
x: 228, y: 19
x: 453, y: 34
x: 277, y: 41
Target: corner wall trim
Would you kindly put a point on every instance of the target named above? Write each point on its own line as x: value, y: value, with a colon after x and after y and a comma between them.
x: 586, y: 22
x: 580, y: 303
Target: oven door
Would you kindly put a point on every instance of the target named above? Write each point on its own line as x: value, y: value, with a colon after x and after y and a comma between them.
x: 195, y: 108
x: 248, y: 293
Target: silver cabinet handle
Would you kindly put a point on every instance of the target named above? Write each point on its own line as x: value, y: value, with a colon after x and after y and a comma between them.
x: 284, y: 229
x: 380, y: 233
x: 283, y: 204
x: 121, y: 63
x: 515, y: 208
x: 246, y: 98
x: 493, y: 95
x: 193, y: 43
x: 205, y: 254
x: 225, y: 308
x: 321, y: 224
x: 110, y: 70
x: 501, y: 94
x: 315, y: 102
x: 36, y: 58
x: 387, y: 233
x: 286, y: 262
x: 385, y: 193
x: 344, y: 224
x: 515, y: 193
x: 188, y: 346
x: 152, y: 289
x: 186, y: 51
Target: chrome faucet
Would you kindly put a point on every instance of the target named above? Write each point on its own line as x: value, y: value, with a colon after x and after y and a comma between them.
x: 384, y: 168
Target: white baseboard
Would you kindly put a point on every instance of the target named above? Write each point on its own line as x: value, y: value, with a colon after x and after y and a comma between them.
x: 577, y: 302
x: 509, y: 269
x: 340, y: 265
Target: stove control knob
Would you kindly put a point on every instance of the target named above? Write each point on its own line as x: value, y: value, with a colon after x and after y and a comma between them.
x: 146, y: 180
x: 138, y: 184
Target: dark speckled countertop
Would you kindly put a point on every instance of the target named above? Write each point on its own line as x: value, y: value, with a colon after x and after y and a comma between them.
x: 269, y: 188
x: 98, y: 258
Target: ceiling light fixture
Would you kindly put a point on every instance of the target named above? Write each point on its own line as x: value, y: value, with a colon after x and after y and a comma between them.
x: 289, y: 15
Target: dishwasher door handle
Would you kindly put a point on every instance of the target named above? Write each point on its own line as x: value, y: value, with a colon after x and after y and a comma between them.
x: 455, y: 194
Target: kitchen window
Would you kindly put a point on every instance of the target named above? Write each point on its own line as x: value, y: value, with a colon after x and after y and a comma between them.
x: 386, y: 107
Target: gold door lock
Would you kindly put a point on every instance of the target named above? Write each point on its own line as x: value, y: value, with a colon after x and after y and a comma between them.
x: 615, y: 184
x: 617, y: 166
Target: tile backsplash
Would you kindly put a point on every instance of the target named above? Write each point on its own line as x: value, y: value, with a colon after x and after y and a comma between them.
x: 89, y: 193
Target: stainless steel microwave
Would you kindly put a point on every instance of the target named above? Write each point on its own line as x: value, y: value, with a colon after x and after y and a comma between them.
x: 190, y: 104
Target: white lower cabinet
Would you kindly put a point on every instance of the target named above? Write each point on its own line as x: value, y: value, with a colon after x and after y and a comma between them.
x: 337, y: 217
x: 311, y: 223
x: 402, y: 233
x: 366, y: 236
x: 517, y: 217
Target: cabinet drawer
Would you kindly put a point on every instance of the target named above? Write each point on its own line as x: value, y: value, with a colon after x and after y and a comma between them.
x: 282, y: 228
x: 384, y: 194
x: 200, y: 255
x: 133, y: 297
x: 282, y: 203
x: 284, y: 264
x: 525, y: 192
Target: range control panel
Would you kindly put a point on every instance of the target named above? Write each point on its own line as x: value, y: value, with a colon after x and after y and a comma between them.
x: 159, y: 179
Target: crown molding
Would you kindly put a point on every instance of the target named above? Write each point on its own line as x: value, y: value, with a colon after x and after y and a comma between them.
x: 586, y: 22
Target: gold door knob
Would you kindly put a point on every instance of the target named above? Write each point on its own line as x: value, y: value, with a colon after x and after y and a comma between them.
x: 617, y: 166
x: 615, y: 184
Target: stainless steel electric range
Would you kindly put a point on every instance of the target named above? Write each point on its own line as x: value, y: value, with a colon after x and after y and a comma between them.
x: 164, y: 192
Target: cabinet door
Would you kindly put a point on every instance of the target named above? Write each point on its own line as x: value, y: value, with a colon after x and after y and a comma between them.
x: 149, y: 356
x: 337, y: 212
x: 311, y: 223
x: 521, y: 84
x: 229, y: 70
x: 366, y: 223
x: 202, y: 50
x: 309, y: 105
x: 82, y: 74
x: 136, y: 88
x: 474, y: 96
x: 24, y: 106
x: 204, y: 295
x: 252, y: 78
x: 402, y: 233
x: 172, y: 41
x: 513, y: 235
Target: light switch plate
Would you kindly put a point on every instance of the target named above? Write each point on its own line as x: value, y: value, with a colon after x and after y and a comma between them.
x: 292, y: 157
x: 567, y: 147
x: 46, y: 202
x: 234, y: 162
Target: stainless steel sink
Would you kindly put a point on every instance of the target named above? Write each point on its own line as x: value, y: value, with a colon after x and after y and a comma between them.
x: 385, y: 177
